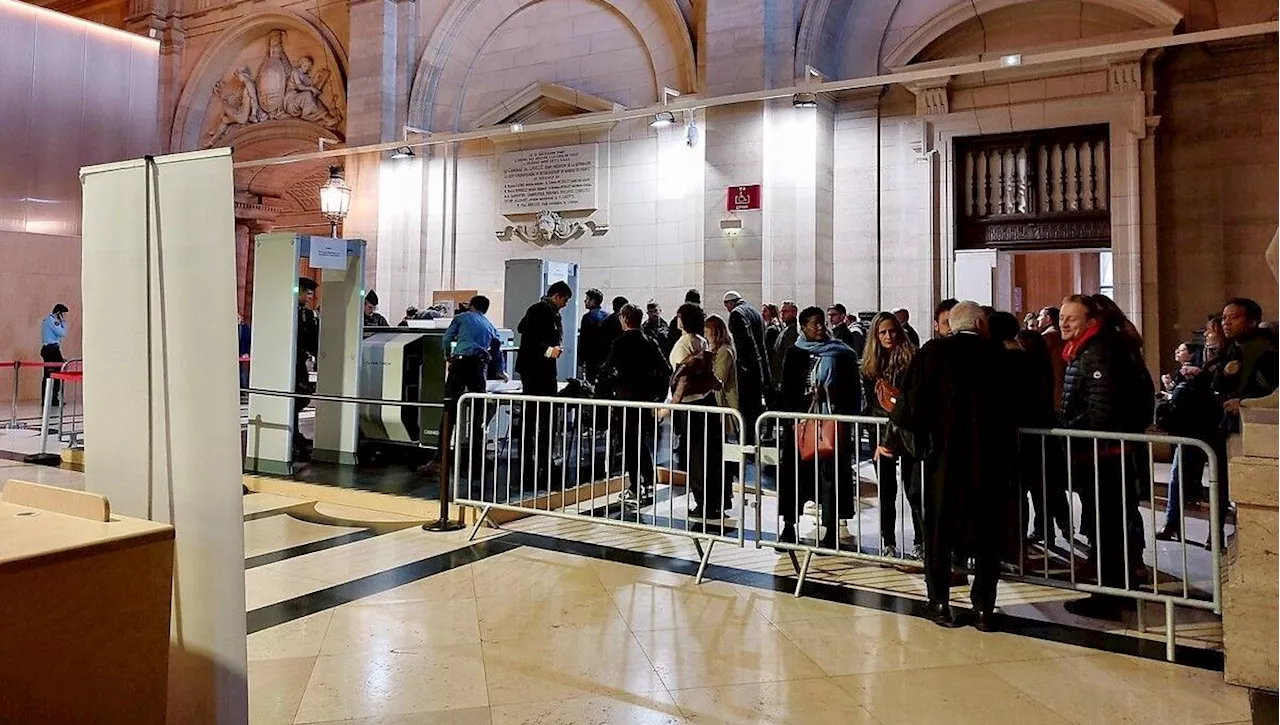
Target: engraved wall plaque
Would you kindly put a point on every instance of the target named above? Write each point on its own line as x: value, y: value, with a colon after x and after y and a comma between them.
x: 563, y: 178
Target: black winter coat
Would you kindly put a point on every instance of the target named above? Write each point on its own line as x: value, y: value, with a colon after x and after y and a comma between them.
x: 1106, y: 387
x: 540, y: 330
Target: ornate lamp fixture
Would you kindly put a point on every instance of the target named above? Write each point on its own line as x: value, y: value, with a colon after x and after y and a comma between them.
x: 335, y: 199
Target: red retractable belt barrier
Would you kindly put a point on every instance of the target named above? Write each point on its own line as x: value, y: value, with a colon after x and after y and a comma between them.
x: 70, y: 377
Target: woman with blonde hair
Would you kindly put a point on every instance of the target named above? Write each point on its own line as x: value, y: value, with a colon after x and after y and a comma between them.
x: 885, y: 358
x: 726, y: 361
x: 694, y: 382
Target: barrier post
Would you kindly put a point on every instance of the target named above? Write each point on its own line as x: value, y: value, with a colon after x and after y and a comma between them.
x: 13, y: 401
x: 44, y: 457
x: 444, y: 523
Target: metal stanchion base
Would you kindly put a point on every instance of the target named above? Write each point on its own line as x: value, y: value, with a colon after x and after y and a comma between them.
x: 44, y: 459
x: 444, y: 524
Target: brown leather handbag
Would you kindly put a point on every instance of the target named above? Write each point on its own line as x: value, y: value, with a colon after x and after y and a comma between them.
x: 887, y: 395
x: 816, y: 438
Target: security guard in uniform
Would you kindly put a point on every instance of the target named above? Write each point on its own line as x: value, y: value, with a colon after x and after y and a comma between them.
x: 308, y: 347
x: 469, y: 345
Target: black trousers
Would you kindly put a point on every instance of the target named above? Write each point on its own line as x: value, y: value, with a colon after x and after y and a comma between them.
x: 751, y: 406
x: 536, y: 434
x: 638, y: 439
x: 52, y: 354
x: 1110, y: 501
x: 704, y: 458
x: 945, y: 535
x: 467, y: 374
x: 888, y: 474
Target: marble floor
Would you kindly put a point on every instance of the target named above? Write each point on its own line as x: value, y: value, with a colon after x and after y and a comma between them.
x: 358, y: 616
x: 524, y: 634
x: 410, y: 627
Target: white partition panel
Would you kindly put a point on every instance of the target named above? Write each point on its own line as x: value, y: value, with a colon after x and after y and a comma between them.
x: 269, y: 443
x: 161, y: 409
x: 342, y: 297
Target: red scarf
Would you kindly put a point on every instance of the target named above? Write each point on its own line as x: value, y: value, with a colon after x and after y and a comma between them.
x: 1072, y: 348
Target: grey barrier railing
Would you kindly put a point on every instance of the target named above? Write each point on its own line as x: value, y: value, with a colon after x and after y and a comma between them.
x: 1117, y: 464
x: 578, y: 456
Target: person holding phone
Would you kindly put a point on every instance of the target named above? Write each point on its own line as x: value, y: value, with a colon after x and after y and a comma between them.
x: 52, y: 332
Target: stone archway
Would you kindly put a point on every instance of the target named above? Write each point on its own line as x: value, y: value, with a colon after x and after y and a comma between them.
x: 467, y: 27
x: 866, y: 37
x: 906, y: 36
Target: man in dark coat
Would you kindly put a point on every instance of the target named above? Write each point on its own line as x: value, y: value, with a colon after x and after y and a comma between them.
x: 1102, y: 390
x: 787, y: 313
x: 308, y: 347
x: 959, y: 409
x: 541, y: 334
x: 636, y: 370
x: 904, y: 318
x: 611, y: 329
x: 591, y: 345
x: 746, y: 326
x: 844, y: 329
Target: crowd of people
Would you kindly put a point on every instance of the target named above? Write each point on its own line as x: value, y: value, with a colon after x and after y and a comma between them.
x: 954, y: 406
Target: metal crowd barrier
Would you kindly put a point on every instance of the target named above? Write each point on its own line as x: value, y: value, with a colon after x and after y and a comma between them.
x: 837, y: 479
x: 1098, y: 478
x: 576, y: 455
x: 18, y: 366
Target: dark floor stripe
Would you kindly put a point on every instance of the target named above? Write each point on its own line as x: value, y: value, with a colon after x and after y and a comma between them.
x: 883, y: 601
x: 272, y: 557
x: 347, y: 592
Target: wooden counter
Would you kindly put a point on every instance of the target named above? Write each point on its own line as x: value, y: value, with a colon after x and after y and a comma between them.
x: 84, y: 618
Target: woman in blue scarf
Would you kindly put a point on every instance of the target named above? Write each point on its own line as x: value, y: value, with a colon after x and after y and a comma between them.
x: 820, y: 374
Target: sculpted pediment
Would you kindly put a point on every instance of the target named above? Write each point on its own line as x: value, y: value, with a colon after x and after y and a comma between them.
x: 540, y: 101
x: 278, y: 77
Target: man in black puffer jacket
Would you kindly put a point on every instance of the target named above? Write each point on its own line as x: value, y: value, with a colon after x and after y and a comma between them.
x: 1102, y: 391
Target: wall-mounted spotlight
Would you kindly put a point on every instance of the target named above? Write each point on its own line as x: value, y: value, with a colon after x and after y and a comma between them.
x: 662, y: 120
x: 691, y: 135
x: 1010, y: 61
x: 404, y: 152
x: 805, y: 100
x: 517, y: 127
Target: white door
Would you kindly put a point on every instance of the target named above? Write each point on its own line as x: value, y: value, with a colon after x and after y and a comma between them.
x: 975, y: 275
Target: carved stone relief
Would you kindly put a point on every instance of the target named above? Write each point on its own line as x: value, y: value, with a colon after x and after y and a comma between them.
x: 279, y: 89
x: 549, y: 228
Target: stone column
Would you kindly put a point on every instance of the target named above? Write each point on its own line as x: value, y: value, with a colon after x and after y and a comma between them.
x: 856, y: 233
x: 382, y: 48
x: 1249, y: 594
x: 785, y: 249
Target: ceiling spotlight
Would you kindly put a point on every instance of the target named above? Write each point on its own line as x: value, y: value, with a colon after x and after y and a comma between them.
x: 517, y: 127
x: 404, y: 152
x: 1009, y: 61
x: 662, y: 120
x: 805, y: 100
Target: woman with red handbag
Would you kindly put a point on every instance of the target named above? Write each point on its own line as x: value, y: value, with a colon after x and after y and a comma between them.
x: 884, y: 366
x: 819, y: 375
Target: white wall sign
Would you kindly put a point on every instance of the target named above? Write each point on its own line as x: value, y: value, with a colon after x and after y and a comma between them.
x: 328, y: 253
x: 552, y: 179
